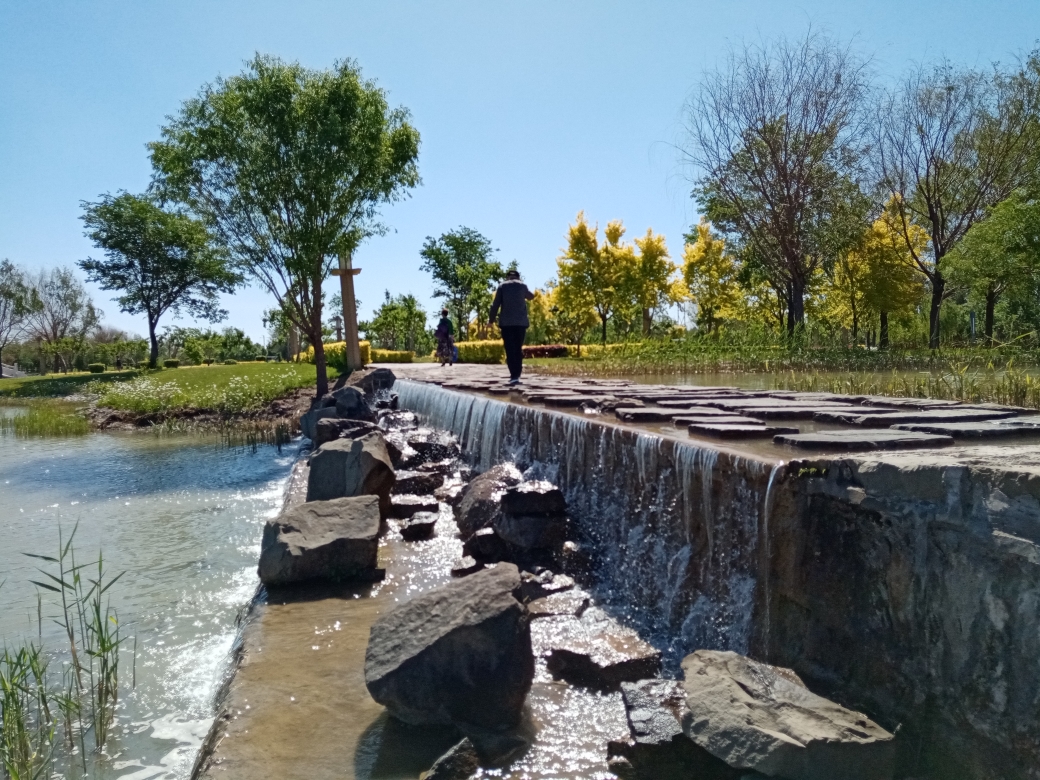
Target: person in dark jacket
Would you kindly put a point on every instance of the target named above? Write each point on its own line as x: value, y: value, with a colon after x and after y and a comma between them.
x: 445, y: 334
x: 510, y: 308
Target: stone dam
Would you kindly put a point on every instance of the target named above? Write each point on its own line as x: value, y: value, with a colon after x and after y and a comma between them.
x: 879, y: 548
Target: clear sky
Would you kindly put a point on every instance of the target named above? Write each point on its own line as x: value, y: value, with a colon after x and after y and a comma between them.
x: 529, y: 111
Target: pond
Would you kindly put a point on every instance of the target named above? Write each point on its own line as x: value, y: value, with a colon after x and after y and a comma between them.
x: 182, y: 517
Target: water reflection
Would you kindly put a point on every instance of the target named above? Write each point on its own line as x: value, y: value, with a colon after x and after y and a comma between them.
x: 183, y: 517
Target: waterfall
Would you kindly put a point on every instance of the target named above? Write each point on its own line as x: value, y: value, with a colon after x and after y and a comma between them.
x: 674, y: 526
x: 767, y: 550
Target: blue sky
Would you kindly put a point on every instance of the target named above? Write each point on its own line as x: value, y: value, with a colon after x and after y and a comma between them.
x: 529, y: 111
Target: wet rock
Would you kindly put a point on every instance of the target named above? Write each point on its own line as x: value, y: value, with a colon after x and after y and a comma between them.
x: 530, y: 532
x: 401, y: 453
x: 482, y: 499
x: 444, y: 467
x: 419, y: 526
x: 862, y: 440
x: 465, y: 566
x: 351, y: 404
x: 756, y: 716
x: 575, y: 559
x: 308, y: 420
x: 352, y: 467
x: 657, y: 748
x: 408, y: 506
x: 322, y: 540
x: 386, y: 400
x: 487, y: 546
x: 544, y: 583
x: 598, y: 652
x: 459, y: 763
x: 534, y: 498
x: 330, y: 429
x: 568, y: 603
x: 432, y: 445
x: 371, y: 380
x: 390, y: 420
x: 459, y: 654
x: 737, y: 431
x: 417, y: 482
x: 450, y: 493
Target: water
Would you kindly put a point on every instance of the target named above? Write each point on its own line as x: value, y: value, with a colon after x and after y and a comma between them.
x: 183, y: 518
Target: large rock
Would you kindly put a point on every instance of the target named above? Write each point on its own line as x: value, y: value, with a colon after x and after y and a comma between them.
x: 352, y: 467
x: 403, y: 507
x: 534, y: 498
x: 433, y: 445
x: 328, y: 540
x: 530, y: 532
x: 371, y: 380
x: 352, y: 405
x: 596, y: 651
x: 482, y: 499
x: 418, y: 483
x: 460, y: 654
x: 330, y: 429
x: 756, y: 716
x: 459, y: 763
x: 309, y: 420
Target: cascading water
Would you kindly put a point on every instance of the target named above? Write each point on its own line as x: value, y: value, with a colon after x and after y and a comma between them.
x: 674, y: 527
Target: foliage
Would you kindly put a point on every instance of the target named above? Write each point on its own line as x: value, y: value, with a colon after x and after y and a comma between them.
x: 289, y: 167
x: 229, y: 389
x: 61, y: 314
x: 159, y: 260
x: 710, y: 276
x: 647, y: 283
x: 337, y: 355
x: 96, y: 368
x: 591, y: 276
x: 58, y: 386
x: 171, y: 364
x: 15, y: 304
x: 198, y: 346
x: 461, y: 265
x: 481, y: 352
x: 399, y: 324
x: 547, y: 351
x: 392, y: 356
x: 46, y: 418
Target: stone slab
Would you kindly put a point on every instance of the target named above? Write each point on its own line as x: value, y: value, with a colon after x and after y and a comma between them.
x: 646, y: 413
x: 862, y: 440
x: 716, y: 431
x: 968, y: 430
x: 721, y: 419
x: 792, y: 412
x: 953, y: 414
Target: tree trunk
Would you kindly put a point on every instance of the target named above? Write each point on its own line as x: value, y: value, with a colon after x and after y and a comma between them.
x: 855, y: 327
x: 153, y: 350
x: 322, y: 368
x: 938, y: 289
x: 647, y: 322
x: 991, y: 304
x: 795, y: 305
x: 604, y: 319
x: 883, y: 331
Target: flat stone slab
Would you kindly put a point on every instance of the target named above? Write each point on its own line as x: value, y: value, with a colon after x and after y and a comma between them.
x: 791, y: 412
x: 967, y: 430
x: 716, y: 431
x: 645, y: 414
x: 863, y: 440
x: 403, y: 507
x: 570, y: 399
x: 719, y: 419
x: 954, y: 414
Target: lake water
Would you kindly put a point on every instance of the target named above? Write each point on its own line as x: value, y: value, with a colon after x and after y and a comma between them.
x: 183, y: 518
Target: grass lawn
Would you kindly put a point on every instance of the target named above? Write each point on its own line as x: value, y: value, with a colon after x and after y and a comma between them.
x: 245, y: 387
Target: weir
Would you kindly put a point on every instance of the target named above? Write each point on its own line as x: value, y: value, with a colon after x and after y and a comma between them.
x: 905, y: 585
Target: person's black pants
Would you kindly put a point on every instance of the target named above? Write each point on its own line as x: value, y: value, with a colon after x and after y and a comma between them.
x: 513, y: 340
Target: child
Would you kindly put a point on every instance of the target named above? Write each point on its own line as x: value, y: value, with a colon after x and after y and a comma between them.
x: 445, y: 342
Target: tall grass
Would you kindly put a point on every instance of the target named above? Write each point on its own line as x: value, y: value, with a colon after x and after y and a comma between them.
x: 46, y: 418
x: 83, y: 700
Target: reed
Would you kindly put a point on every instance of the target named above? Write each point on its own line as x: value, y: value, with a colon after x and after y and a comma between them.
x: 46, y: 418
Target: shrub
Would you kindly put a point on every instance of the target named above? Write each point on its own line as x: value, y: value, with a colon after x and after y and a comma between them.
x: 334, y: 354
x: 392, y: 356
x: 96, y: 368
x: 261, y: 358
x: 481, y: 352
x: 546, y: 351
x: 230, y: 362
x: 208, y: 361
x: 171, y: 364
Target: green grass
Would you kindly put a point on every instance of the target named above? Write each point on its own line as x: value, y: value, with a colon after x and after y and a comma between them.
x: 58, y: 385
x: 238, y: 389
x: 45, y: 417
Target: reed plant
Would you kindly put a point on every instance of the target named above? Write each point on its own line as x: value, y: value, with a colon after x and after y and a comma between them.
x: 46, y: 418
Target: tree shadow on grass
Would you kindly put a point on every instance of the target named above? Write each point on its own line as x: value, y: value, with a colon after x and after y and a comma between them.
x: 58, y: 385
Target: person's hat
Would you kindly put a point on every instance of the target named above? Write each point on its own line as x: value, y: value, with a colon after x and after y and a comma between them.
x: 512, y: 274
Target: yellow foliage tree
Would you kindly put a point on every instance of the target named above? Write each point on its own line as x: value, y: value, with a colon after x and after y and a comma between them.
x: 593, y: 274
x: 710, y: 278
x: 648, y: 276
x: 572, y: 312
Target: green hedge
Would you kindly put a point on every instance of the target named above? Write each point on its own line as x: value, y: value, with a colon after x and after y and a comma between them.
x: 481, y: 352
x: 230, y: 362
x: 392, y: 356
x: 334, y: 354
x: 171, y: 364
x: 96, y: 368
x: 261, y: 358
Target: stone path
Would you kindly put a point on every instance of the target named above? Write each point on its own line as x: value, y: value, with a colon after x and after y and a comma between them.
x: 788, y: 420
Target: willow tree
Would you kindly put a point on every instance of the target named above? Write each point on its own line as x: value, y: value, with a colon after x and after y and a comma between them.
x: 776, y: 137
x: 289, y: 168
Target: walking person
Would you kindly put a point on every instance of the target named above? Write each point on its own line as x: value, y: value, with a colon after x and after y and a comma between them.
x: 510, y: 308
x: 445, y: 339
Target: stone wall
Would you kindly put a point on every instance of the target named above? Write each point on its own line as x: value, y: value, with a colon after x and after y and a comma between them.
x: 904, y: 585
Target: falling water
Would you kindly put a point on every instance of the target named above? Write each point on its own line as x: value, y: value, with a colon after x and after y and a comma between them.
x: 673, y: 526
x: 767, y: 549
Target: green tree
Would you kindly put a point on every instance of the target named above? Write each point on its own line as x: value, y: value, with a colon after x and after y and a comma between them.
x: 461, y: 265
x: 399, y: 323
x: 160, y: 261
x: 710, y: 276
x: 951, y: 144
x: 289, y: 167
x: 593, y: 273
x: 60, y: 312
x: 15, y: 305
x: 1000, y: 256
x: 648, y: 284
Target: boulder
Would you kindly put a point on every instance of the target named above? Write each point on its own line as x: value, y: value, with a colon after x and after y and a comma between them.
x: 407, y: 506
x: 401, y: 454
x: 486, y: 546
x: 755, y: 716
x: 481, y: 501
x: 450, y: 493
x: 417, y: 482
x: 391, y: 420
x: 596, y: 651
x: 419, y: 526
x: 459, y: 654
x: 465, y: 566
x: 352, y: 467
x: 534, y: 498
x: 371, y: 380
x: 459, y: 763
x: 330, y: 429
x: 530, y: 532
x: 308, y: 420
x: 327, y: 540
x: 543, y: 583
x: 351, y: 404
x: 445, y: 467
x: 569, y: 603
x: 432, y: 444
x: 657, y: 747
